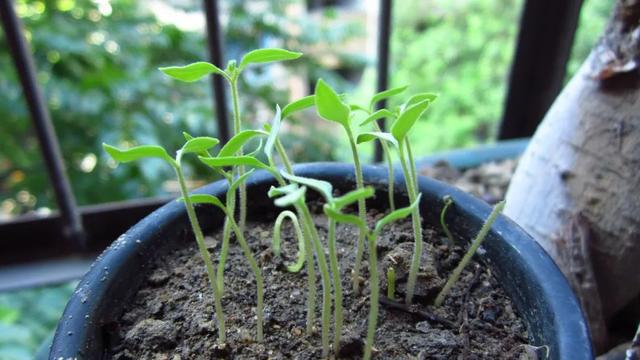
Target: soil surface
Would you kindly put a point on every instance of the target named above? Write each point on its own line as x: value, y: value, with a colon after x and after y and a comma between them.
x: 171, y: 317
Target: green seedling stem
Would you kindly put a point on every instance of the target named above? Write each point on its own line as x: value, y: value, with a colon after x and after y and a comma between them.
x: 447, y: 202
x: 374, y: 296
x: 337, y: 286
x: 390, y: 172
x: 482, y: 234
x: 391, y: 282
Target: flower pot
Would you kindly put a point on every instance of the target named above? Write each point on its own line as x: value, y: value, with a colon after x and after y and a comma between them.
x: 529, y: 277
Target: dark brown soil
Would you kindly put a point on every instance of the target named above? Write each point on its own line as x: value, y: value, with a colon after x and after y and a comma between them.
x: 171, y: 317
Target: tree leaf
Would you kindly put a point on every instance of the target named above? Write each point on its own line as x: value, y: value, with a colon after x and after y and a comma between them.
x: 369, y: 136
x: 245, y: 160
x: 386, y: 94
x: 421, y: 97
x: 382, y: 113
x: 396, y: 215
x: 267, y: 55
x: 136, y: 153
x: 273, y: 133
x: 352, y: 196
x: 291, y: 198
x: 206, y: 199
x: 199, y: 144
x: 323, y: 187
x: 192, y: 72
x: 343, y: 218
x: 237, y: 142
x: 329, y: 106
x: 298, y: 105
x: 403, y: 124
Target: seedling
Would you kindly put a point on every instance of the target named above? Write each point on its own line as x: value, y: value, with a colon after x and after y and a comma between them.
x: 372, y: 236
x: 455, y: 275
x: 194, y: 145
x: 277, y: 239
x: 198, y: 70
x: 391, y: 282
x: 330, y: 107
x: 404, y: 118
x: 447, y: 202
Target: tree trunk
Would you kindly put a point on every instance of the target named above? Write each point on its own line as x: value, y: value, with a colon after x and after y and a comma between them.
x: 577, y: 188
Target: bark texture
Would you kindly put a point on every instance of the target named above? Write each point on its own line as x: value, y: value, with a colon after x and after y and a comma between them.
x: 577, y: 188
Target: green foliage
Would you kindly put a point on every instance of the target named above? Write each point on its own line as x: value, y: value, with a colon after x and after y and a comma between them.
x: 329, y: 104
x: 136, y: 153
x: 404, y: 123
x: 397, y: 215
x: 267, y: 55
x: 192, y: 72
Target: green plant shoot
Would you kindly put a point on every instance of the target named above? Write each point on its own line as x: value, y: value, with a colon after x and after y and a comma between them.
x: 391, y: 283
x: 277, y: 239
x: 193, y: 145
x: 330, y: 107
x: 372, y: 236
x: 447, y: 202
x: 198, y: 70
x: 482, y: 234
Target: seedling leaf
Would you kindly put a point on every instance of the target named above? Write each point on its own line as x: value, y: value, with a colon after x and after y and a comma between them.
x: 199, y: 144
x: 323, y: 187
x: 239, y: 180
x: 282, y: 190
x: 291, y: 198
x: 237, y: 142
x: 343, y: 218
x: 267, y: 55
x: 382, y: 113
x: 383, y: 136
x: 298, y: 105
x: 386, y: 94
x: 356, y: 107
x: 234, y: 161
x: 206, y: 199
x: 421, y: 97
x: 273, y: 133
x: 192, y: 72
x: 329, y: 105
x: 352, y: 196
x: 136, y: 153
x: 396, y: 215
x: 407, y: 119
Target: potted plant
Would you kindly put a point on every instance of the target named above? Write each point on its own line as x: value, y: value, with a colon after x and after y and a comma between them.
x: 149, y: 294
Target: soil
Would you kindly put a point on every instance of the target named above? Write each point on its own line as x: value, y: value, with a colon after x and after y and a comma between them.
x: 171, y: 317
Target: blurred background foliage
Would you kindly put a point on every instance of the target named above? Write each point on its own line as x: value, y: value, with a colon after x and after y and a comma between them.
x: 97, y: 62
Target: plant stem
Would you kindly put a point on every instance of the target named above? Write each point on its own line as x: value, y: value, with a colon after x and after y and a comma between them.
x: 412, y: 165
x: 257, y: 273
x: 362, y: 210
x: 390, y: 173
x: 375, y: 294
x: 417, y: 227
x: 237, y: 127
x: 337, y: 285
x: 204, y: 253
x: 447, y: 202
x: 391, y: 283
x: 283, y: 157
x: 326, y: 281
x: 226, y: 234
x: 453, y: 278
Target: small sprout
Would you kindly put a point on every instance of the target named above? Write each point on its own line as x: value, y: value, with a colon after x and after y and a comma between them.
x: 277, y: 238
x: 391, y: 282
x: 447, y: 202
x: 482, y: 234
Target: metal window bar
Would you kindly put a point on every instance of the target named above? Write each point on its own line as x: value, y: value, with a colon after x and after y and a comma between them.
x: 105, y: 221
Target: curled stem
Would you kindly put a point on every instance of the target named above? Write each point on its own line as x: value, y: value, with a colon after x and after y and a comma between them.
x: 277, y: 238
x: 482, y: 234
x: 447, y: 202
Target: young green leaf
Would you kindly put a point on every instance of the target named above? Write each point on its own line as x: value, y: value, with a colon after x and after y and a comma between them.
x: 382, y: 113
x: 199, y: 144
x: 273, y: 133
x: 237, y: 142
x: 136, y: 153
x: 234, y: 161
x: 267, y: 55
x: 323, y: 187
x: 298, y: 105
x: 369, y: 136
x: 206, y: 199
x: 329, y: 105
x: 343, y: 218
x: 352, y: 196
x: 292, y: 197
x: 421, y: 97
x: 356, y: 107
x: 192, y: 72
x: 401, y: 127
x: 239, y: 180
x: 396, y: 215
x: 386, y: 94
x: 282, y: 190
